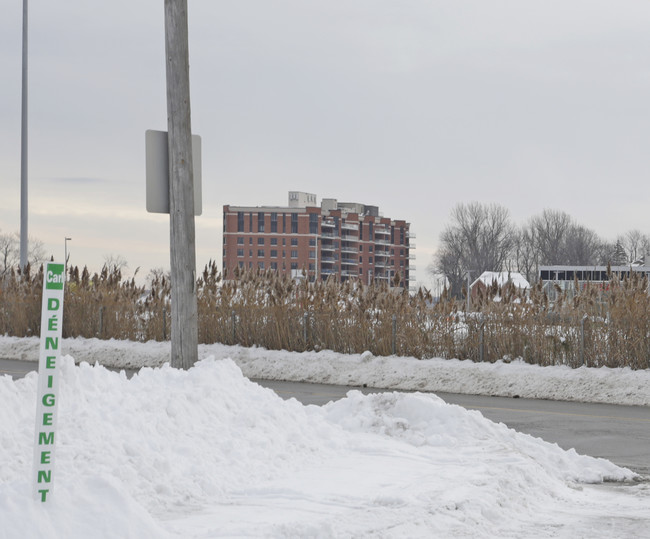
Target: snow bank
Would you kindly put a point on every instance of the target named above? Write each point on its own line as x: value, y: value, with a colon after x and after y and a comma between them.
x: 606, y: 385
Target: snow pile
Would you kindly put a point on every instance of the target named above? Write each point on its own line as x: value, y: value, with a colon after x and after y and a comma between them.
x: 207, y: 453
x: 516, y: 378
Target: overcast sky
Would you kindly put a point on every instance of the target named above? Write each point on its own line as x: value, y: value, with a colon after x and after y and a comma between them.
x: 411, y: 105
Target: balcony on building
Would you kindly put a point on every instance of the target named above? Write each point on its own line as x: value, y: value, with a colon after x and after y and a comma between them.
x: 354, y: 227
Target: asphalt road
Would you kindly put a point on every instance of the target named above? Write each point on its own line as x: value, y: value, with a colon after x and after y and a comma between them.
x: 618, y: 433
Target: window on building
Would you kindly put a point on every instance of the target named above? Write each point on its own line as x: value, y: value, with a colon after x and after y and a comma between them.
x: 294, y: 242
x: 312, y: 242
x: 274, y: 222
x: 370, y: 259
x: 250, y: 222
x: 294, y: 223
x: 260, y: 253
x: 260, y: 221
x: 250, y: 241
x: 274, y: 253
x: 401, y: 236
x: 370, y: 230
x: 313, y: 223
x: 294, y: 254
x: 274, y: 266
x: 260, y: 265
x: 370, y: 248
x: 284, y: 223
x: 360, y: 231
x: 260, y: 241
x: 240, y: 253
x: 274, y: 241
x: 240, y: 221
x: 312, y: 254
x: 241, y: 264
x: 240, y: 241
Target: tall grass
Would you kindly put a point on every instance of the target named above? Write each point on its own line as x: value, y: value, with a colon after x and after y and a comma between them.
x: 257, y: 308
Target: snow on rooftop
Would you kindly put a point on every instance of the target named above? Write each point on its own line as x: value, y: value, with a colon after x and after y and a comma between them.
x: 501, y: 278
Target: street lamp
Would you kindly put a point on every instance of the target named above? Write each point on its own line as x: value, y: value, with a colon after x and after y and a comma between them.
x: 23, y: 152
x: 66, y: 256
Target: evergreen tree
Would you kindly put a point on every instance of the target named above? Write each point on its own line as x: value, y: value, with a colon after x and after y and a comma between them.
x: 619, y: 257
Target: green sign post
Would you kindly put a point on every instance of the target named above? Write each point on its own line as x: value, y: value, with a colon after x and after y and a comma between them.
x: 48, y: 379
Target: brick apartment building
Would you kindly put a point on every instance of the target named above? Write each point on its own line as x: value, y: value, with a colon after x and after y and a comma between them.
x: 340, y: 239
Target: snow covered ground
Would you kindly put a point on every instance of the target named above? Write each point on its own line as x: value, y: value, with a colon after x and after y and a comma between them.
x: 208, y: 453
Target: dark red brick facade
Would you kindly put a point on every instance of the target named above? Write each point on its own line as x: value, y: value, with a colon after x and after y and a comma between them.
x: 320, y: 243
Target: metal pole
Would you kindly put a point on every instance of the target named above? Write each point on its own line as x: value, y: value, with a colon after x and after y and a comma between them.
x: 184, y: 335
x: 316, y: 268
x: 24, y: 247
x: 305, y: 320
x: 582, y: 340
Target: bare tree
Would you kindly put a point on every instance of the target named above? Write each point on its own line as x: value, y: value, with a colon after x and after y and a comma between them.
x: 525, y: 254
x: 10, y: 252
x: 115, y: 263
x: 549, y: 230
x: 558, y: 240
x: 636, y: 245
x: 480, y: 237
x: 583, y: 247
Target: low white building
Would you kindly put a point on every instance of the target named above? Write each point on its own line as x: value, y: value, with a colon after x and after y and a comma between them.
x: 501, y: 278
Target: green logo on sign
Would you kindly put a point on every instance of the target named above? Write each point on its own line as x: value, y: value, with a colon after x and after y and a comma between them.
x: 54, y: 277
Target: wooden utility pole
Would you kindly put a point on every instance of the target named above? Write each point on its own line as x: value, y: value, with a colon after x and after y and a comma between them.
x: 184, y: 337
